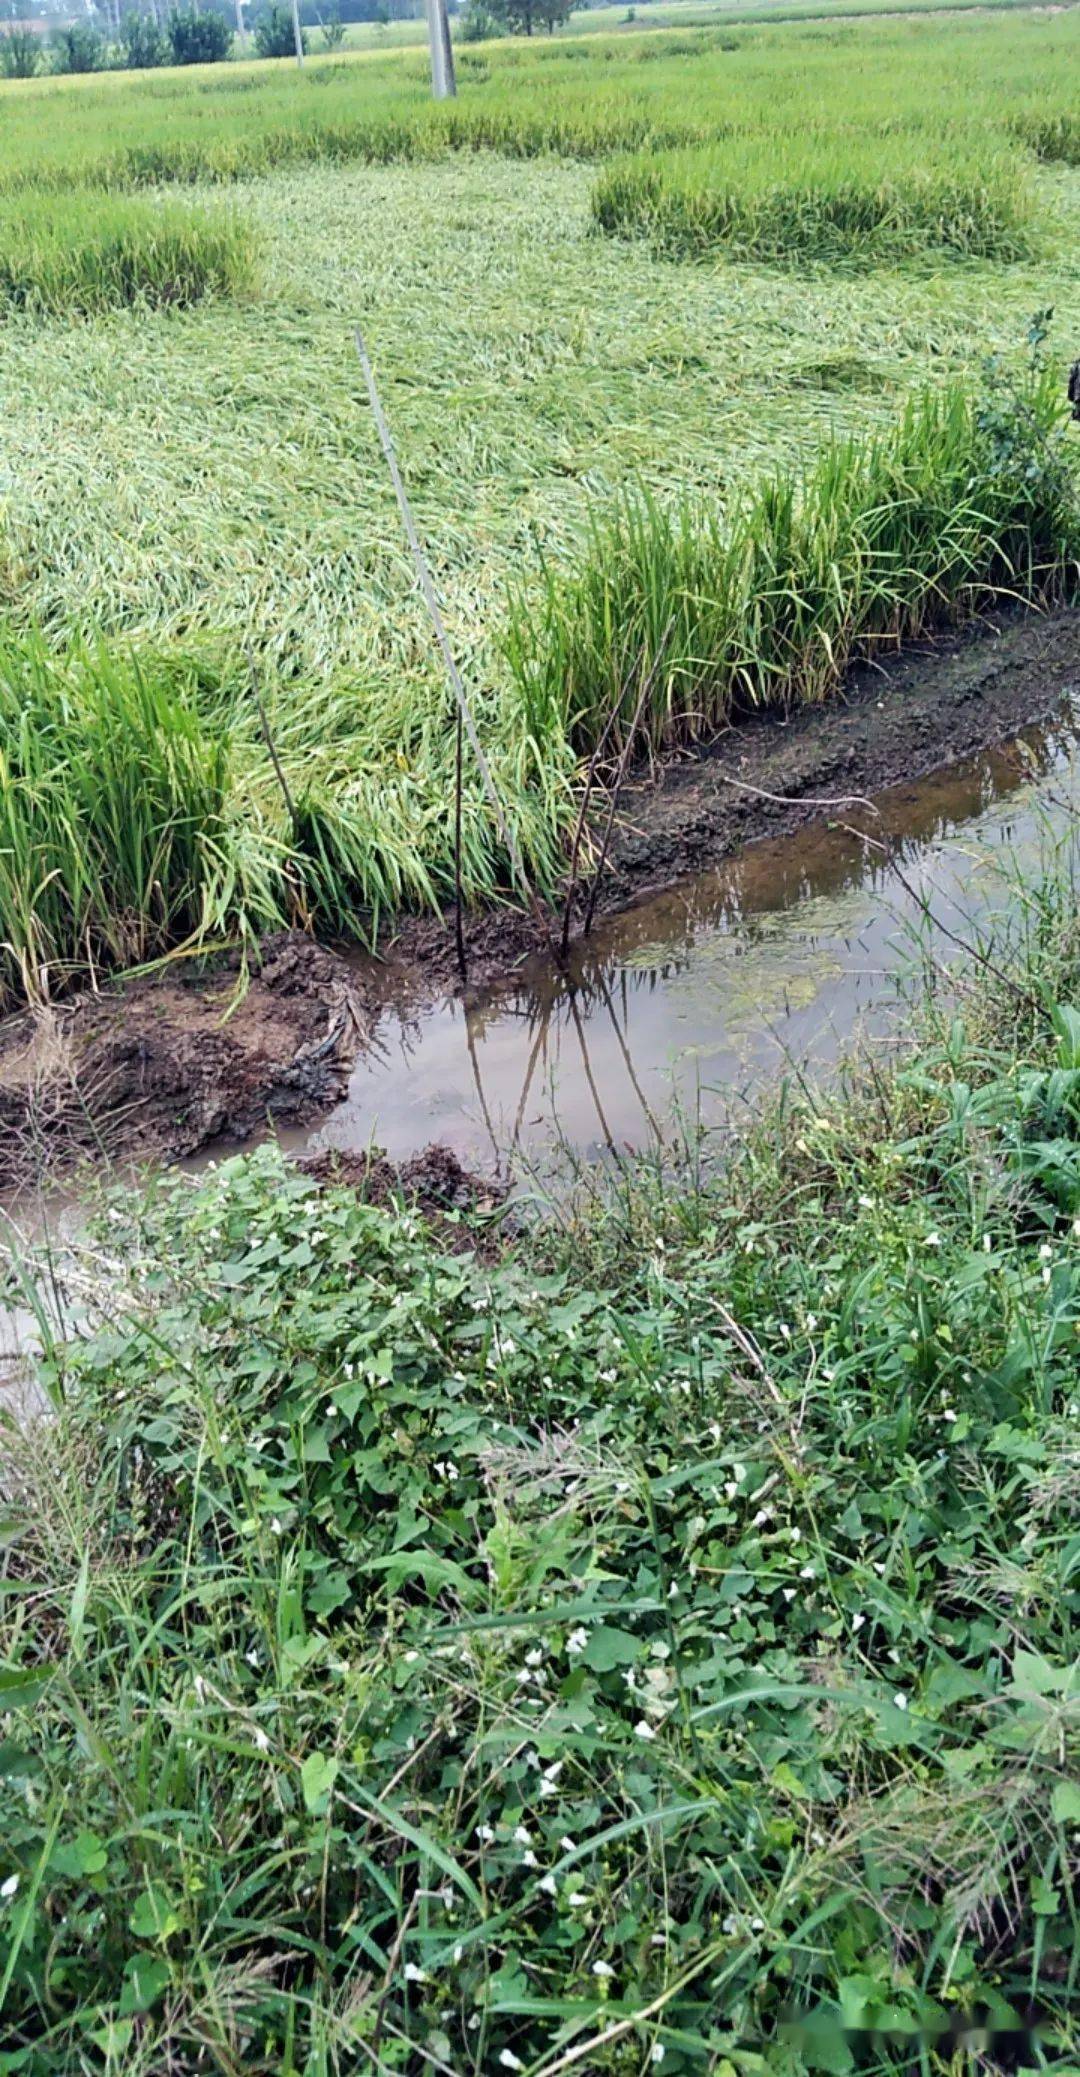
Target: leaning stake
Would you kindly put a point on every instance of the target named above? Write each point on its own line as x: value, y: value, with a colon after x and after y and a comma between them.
x: 452, y: 672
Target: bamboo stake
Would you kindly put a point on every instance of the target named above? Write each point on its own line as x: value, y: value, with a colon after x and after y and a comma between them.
x: 430, y: 600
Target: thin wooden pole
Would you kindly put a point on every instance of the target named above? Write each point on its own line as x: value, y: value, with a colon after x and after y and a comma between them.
x: 456, y: 685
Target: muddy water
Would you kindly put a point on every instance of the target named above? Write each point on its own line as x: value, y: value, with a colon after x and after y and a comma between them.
x: 779, y: 956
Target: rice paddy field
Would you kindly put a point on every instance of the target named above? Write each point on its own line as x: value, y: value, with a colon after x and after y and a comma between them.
x: 644, y: 1638
x: 673, y: 267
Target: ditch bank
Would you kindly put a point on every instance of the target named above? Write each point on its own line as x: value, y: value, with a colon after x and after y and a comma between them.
x: 177, y: 1061
x: 931, y: 705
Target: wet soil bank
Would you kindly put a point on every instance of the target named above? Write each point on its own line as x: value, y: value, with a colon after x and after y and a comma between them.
x: 157, y: 1069
x: 176, y: 1061
x: 934, y: 704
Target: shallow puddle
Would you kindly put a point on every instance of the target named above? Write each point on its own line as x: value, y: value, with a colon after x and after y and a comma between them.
x: 777, y: 957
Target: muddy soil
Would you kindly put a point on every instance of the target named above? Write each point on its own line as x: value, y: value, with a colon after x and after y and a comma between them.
x: 434, y: 1182
x: 901, y: 719
x: 157, y: 1069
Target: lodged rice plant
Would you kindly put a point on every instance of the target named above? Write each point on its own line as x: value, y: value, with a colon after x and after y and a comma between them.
x: 966, y: 497
x: 1051, y: 133
x: 815, y: 196
x: 80, y: 254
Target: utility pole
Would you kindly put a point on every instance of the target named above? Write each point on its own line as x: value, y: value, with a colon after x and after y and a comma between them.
x: 443, y: 83
x: 298, y: 34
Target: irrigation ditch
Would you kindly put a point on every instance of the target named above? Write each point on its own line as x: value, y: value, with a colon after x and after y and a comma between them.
x: 776, y: 818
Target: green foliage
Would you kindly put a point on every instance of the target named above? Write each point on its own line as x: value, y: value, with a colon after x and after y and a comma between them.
x: 816, y: 197
x: 660, y: 1637
x: 274, y: 34
x: 142, y: 42
x: 523, y: 17
x: 479, y: 23
x: 770, y: 604
x: 77, y: 48
x: 83, y: 253
x: 333, y: 29
x: 197, y: 39
x: 20, y: 52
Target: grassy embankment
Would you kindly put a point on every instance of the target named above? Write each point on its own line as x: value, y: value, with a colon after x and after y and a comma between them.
x: 652, y: 1644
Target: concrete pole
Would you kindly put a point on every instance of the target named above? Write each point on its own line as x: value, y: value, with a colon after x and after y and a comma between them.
x: 298, y: 37
x: 443, y: 83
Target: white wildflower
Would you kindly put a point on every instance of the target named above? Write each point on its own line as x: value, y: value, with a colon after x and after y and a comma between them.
x: 413, y: 1974
x: 602, y: 1969
x: 9, y: 1886
x: 643, y: 1729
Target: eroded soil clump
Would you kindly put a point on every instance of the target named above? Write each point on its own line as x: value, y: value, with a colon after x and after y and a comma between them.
x: 433, y: 1182
x: 159, y: 1068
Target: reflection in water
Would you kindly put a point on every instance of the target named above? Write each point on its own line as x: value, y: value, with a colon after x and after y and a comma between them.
x: 694, y: 997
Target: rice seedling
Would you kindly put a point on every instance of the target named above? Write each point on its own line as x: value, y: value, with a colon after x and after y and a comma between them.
x: 771, y: 603
x: 809, y: 196
x: 80, y: 254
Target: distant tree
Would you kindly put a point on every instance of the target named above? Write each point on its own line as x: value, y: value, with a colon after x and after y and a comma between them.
x: 19, y: 53
x: 521, y: 17
x: 552, y: 14
x: 333, y: 29
x: 274, y: 37
x: 479, y: 21
x: 77, y: 48
x: 142, y: 43
x: 198, y: 39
